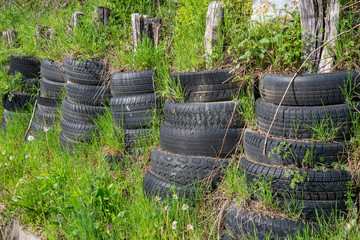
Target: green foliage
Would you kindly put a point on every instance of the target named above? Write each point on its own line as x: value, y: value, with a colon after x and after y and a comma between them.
x: 11, y: 83
x: 323, y: 130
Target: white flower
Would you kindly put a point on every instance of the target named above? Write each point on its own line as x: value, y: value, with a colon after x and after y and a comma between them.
x: 174, y: 225
x: 4, y: 152
x: 27, y: 156
x: 175, y: 196
x: 157, y: 198
x: 185, y: 207
x: 46, y: 129
x: 190, y: 227
x: 21, y: 180
x: 31, y: 138
x: 166, y: 208
x: 11, y: 157
x: 7, y: 164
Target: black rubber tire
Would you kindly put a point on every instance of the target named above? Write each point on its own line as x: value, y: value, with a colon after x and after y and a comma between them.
x: 46, y: 117
x: 38, y: 128
x: 28, y: 84
x: 81, y: 113
x: 49, y: 105
x: 123, y: 161
x: 21, y: 102
x: 315, y: 210
x: 12, y: 116
x: 185, y: 170
x: 53, y: 71
x: 132, y: 83
x: 132, y: 112
x: 308, y: 89
x: 29, y: 67
x: 214, y: 115
x: 134, y: 136
x: 87, y: 95
x: 316, y: 185
x: 84, y: 72
x: 207, y: 86
x: 51, y: 89
x: 67, y: 143
x: 225, y: 236
x: 291, y: 122
x: 154, y: 186
x: 242, y: 224
x: 284, y: 152
x: 198, y: 142
x: 78, y: 131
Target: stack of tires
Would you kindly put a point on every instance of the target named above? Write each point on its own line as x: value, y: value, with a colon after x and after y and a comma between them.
x: 86, y: 95
x: 197, y: 137
x: 294, y: 152
x: 133, y: 105
x: 18, y: 104
x: 52, y: 88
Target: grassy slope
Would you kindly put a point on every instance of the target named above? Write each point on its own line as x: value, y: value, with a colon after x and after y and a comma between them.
x: 77, y: 195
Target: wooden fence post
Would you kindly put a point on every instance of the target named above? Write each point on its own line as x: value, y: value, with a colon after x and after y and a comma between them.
x: 136, y: 28
x: 155, y: 30
x: 101, y: 16
x: 312, y: 20
x: 76, y: 19
x: 214, y: 18
x: 143, y: 26
x: 9, y: 37
x: 331, y: 26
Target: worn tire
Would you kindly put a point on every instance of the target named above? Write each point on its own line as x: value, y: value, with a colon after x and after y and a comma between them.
x: 242, y: 224
x: 49, y: 105
x: 132, y: 83
x: 78, y: 131
x: 29, y: 67
x: 315, y: 185
x: 198, y: 142
x: 53, y: 71
x: 51, y: 89
x: 39, y: 128
x: 185, y: 170
x: 46, y: 118
x: 84, y: 72
x: 67, y: 143
x: 28, y: 84
x: 154, y: 186
x: 293, y: 122
x: 214, y: 115
x: 21, y: 102
x: 87, y: 95
x: 81, y: 113
x: 308, y: 89
x: 283, y: 152
x: 132, y: 112
x: 133, y: 137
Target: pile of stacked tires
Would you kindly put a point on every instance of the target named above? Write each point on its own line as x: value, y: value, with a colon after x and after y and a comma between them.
x: 298, y: 161
x: 86, y: 94
x: 17, y: 104
x: 133, y: 106
x: 197, y: 137
x: 52, y: 88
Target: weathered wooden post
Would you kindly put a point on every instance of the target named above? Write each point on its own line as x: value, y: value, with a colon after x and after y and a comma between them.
x: 76, y: 19
x: 331, y: 30
x: 101, y: 16
x: 136, y: 23
x: 9, y: 37
x: 312, y: 21
x: 214, y: 19
x: 155, y: 30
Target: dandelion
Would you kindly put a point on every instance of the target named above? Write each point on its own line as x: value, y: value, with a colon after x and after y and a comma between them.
x: 175, y: 196
x: 4, y: 152
x: 7, y: 164
x: 190, y: 227
x: 166, y: 208
x: 185, y: 207
x: 157, y: 198
x: 11, y: 158
x: 31, y: 138
x: 27, y: 156
x: 174, y: 225
x: 46, y: 129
